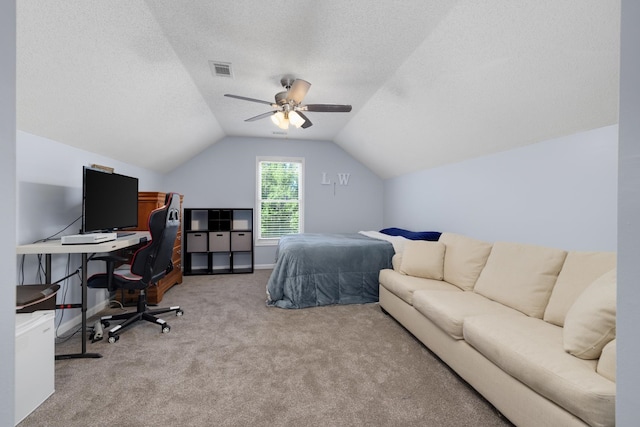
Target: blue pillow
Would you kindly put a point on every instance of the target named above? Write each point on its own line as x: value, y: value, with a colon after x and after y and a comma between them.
x: 412, y: 235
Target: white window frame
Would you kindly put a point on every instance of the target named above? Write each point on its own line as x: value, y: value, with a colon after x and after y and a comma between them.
x: 273, y: 241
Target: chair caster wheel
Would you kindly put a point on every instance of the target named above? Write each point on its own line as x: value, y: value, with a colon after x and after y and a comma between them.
x: 105, y: 324
x: 113, y: 339
x: 166, y: 329
x: 179, y: 312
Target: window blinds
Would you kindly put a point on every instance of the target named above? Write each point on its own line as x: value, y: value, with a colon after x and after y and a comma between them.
x: 280, y: 196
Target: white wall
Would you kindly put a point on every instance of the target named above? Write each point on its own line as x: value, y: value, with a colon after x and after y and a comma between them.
x: 7, y: 225
x: 49, y: 198
x: 223, y: 176
x: 559, y: 193
x: 628, y: 376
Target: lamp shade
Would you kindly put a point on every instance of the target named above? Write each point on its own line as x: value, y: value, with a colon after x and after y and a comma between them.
x: 295, y: 119
x: 280, y: 120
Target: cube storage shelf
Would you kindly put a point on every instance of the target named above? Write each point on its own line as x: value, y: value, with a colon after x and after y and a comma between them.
x: 218, y: 241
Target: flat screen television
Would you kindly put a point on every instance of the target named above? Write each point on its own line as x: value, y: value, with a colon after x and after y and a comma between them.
x: 109, y: 201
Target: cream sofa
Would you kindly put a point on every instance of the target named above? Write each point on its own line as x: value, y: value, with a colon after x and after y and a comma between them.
x: 531, y: 328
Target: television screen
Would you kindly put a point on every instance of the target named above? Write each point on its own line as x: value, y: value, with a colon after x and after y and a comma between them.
x: 109, y: 201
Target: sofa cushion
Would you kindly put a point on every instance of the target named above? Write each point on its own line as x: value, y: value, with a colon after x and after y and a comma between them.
x: 464, y: 259
x: 578, y: 271
x: 531, y: 351
x: 404, y: 286
x: 449, y: 310
x: 422, y: 258
x: 607, y: 362
x: 520, y: 276
x: 591, y: 321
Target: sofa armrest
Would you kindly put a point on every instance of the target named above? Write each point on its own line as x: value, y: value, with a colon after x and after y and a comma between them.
x: 396, y: 261
x: 607, y: 362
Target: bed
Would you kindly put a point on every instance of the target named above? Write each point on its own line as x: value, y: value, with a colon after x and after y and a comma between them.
x: 322, y: 269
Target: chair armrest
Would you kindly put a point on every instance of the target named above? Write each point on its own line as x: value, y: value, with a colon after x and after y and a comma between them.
x: 110, y: 258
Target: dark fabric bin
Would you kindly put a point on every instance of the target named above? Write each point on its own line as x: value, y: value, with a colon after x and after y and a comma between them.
x: 30, y: 298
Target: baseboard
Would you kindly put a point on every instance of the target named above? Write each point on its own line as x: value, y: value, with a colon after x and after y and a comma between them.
x: 264, y: 266
x: 76, y: 321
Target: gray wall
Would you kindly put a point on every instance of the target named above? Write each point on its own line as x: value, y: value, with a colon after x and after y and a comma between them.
x: 224, y: 176
x: 8, y: 223
x: 49, y: 198
x: 627, y: 410
x: 560, y: 193
x: 49, y: 195
x: 628, y: 377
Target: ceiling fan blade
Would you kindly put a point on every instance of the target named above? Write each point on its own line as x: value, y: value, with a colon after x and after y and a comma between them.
x: 244, y: 98
x: 326, y: 108
x: 260, y: 116
x: 307, y: 123
x: 298, y: 90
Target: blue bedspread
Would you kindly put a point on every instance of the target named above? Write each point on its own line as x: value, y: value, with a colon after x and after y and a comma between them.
x: 322, y: 269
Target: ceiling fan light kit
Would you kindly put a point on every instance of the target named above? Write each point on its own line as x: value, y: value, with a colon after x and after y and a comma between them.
x: 288, y: 105
x: 283, y: 119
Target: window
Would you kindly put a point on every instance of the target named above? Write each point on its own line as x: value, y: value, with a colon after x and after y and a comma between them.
x: 279, y: 195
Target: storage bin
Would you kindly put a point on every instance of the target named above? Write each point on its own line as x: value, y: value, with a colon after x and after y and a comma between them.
x: 197, y: 242
x: 30, y: 298
x: 219, y: 241
x: 241, y: 241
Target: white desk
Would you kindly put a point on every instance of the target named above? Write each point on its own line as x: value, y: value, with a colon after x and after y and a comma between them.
x: 56, y: 247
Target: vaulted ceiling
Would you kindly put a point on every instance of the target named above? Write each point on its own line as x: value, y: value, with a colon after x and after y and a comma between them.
x: 430, y: 82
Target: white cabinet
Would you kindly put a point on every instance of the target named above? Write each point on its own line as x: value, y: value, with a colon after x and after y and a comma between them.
x: 35, y: 361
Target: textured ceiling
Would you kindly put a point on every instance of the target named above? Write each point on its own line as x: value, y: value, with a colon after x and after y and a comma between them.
x: 431, y: 82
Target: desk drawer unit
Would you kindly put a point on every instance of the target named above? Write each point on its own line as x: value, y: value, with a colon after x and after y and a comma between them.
x: 219, y: 241
x: 197, y: 242
x: 241, y: 241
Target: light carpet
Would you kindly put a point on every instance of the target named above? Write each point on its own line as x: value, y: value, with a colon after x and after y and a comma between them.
x: 233, y: 361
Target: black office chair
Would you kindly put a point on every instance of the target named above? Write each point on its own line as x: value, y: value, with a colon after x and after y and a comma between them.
x: 150, y: 263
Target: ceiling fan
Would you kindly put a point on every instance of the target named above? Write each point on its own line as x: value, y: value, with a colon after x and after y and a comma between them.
x: 289, y: 107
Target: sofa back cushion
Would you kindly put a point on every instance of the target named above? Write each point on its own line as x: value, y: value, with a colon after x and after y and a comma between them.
x: 578, y: 271
x: 520, y: 276
x: 591, y: 321
x: 422, y: 258
x: 464, y: 259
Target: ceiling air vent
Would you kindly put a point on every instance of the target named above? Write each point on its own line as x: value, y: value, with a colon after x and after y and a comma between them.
x: 221, y: 69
